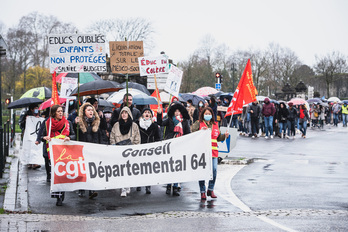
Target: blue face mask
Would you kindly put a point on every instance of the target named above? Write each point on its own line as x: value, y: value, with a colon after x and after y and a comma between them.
x: 207, y: 117
x: 36, y: 111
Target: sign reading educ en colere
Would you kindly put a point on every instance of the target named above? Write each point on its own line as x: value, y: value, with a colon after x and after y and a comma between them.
x: 77, y: 53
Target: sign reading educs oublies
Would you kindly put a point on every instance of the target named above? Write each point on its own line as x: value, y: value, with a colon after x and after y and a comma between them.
x: 78, y: 165
x: 77, y: 53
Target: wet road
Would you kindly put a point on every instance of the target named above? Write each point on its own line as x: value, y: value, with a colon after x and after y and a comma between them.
x: 292, y: 185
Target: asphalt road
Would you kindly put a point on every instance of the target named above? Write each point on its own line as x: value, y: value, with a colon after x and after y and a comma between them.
x: 291, y: 185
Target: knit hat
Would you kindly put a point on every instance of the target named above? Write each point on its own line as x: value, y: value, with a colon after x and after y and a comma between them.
x: 148, y: 110
x: 290, y: 104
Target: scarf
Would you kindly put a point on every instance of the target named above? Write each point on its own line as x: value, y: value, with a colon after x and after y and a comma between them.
x: 145, y: 124
x: 89, y: 120
x: 302, y: 115
x: 178, y: 131
x: 57, y: 126
x: 125, y: 126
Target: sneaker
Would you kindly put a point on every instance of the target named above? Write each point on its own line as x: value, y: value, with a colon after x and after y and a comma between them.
x: 123, y: 192
x: 266, y: 137
x: 138, y: 189
x: 253, y: 137
x: 148, y: 189
x: 271, y: 136
x: 287, y: 137
x: 128, y: 190
x: 92, y: 194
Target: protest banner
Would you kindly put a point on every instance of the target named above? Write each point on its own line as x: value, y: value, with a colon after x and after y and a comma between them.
x: 124, y: 56
x: 77, y: 165
x: 153, y: 65
x: 67, y: 86
x: 173, y: 81
x: 77, y: 53
x: 31, y: 153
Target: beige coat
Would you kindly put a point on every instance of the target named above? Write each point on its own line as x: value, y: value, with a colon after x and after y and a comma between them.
x: 116, y: 136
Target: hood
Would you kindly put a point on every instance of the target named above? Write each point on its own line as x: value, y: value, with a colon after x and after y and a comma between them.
x: 180, y: 107
x: 83, y: 123
x: 266, y: 100
x: 127, y: 110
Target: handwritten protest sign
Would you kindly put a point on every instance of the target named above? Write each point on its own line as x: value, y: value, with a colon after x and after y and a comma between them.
x: 173, y: 81
x: 153, y: 65
x: 77, y: 53
x: 124, y: 56
x: 68, y: 85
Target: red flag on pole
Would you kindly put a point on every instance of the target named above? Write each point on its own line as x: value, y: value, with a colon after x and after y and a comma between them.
x: 154, y: 108
x: 244, y: 94
x: 55, y: 97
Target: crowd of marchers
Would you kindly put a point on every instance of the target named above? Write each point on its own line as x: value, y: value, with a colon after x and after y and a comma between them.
x: 126, y: 125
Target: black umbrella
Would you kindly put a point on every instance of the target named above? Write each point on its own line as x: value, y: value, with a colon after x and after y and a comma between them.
x: 97, y: 87
x: 24, y: 102
x: 190, y: 96
x: 135, y: 85
x: 105, y: 103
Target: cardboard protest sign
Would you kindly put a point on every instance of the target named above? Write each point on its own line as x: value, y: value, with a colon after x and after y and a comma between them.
x: 77, y: 53
x: 153, y: 65
x: 173, y: 81
x: 68, y: 85
x: 77, y: 165
x: 124, y: 56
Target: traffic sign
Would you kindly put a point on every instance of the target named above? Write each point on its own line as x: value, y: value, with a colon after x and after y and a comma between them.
x: 217, y: 86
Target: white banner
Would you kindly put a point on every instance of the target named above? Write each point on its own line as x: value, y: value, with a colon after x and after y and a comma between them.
x: 68, y: 85
x: 77, y: 53
x: 153, y: 65
x: 173, y: 81
x: 31, y: 153
x: 77, y: 165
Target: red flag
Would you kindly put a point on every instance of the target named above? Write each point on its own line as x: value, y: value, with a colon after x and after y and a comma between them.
x: 55, y: 97
x: 154, y: 108
x: 245, y: 92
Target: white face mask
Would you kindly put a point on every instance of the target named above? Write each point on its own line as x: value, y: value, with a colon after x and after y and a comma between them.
x: 200, y: 104
x: 188, y: 104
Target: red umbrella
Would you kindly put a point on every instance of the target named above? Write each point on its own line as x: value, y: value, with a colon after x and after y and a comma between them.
x: 48, y: 103
x: 205, y: 91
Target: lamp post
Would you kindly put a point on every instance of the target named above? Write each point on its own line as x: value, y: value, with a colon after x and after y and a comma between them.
x: 233, y: 69
x: 3, y: 48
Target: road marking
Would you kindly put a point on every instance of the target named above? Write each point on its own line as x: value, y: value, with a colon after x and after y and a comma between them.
x: 223, y: 186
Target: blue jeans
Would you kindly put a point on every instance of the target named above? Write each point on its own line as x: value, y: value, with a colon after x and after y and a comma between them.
x: 269, y: 125
x: 211, y: 182
x: 282, y: 127
x: 291, y: 128
x: 335, y: 119
x: 303, y: 127
x: 344, y: 119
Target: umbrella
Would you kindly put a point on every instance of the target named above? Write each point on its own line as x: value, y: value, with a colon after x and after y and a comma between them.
x: 137, y: 86
x: 84, y: 77
x: 333, y: 99
x: 190, y: 96
x: 226, y: 95
x: 314, y: 100
x: 24, y: 102
x: 39, y: 92
x: 105, y: 103
x: 218, y: 94
x: 260, y: 98
x: 97, y: 87
x: 205, y: 91
x: 297, y: 101
x: 166, y: 97
x: 345, y: 101
x: 143, y: 99
x: 274, y: 101
x: 48, y: 103
x: 118, y: 96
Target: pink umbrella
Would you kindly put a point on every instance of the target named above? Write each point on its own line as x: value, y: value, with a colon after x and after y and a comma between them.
x: 48, y: 103
x: 205, y: 91
x: 298, y: 101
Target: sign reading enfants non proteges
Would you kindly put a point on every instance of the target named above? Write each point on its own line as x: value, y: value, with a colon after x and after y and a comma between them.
x: 124, y: 56
x: 77, y: 53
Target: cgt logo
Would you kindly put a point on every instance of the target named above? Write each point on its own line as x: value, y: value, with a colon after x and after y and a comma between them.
x: 69, y: 165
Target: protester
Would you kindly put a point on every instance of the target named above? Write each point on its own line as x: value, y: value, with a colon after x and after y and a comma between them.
x: 206, y: 120
x: 149, y: 132
x: 336, y: 108
x: 303, y: 118
x: 56, y: 126
x: 255, y: 112
x: 127, y: 101
x: 292, y: 119
x: 282, y: 119
x: 125, y: 130
x: 89, y: 131
x: 198, y: 110
x: 108, y: 114
x: 190, y: 109
x: 268, y: 112
x: 344, y: 114
x: 176, y: 125
x: 213, y: 106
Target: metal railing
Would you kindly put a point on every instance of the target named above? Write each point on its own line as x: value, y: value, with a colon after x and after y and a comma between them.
x: 5, y: 142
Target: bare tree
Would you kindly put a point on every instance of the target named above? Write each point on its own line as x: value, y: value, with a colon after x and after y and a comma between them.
x: 330, y: 65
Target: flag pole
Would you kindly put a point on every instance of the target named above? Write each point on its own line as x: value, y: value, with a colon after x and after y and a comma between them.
x: 156, y: 90
x: 78, y: 106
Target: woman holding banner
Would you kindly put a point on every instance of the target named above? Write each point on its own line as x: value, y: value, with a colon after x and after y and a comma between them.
x: 125, y: 132
x: 206, y: 120
x: 89, y: 131
x: 57, y: 127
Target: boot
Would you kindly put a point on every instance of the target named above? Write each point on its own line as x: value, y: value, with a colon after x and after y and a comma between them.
x: 148, y: 189
x: 169, y: 188
x: 92, y: 194
x: 138, y: 189
x: 59, y: 201
x: 175, y: 191
x: 211, y: 194
x: 81, y: 193
x: 48, y: 179
x: 203, y: 196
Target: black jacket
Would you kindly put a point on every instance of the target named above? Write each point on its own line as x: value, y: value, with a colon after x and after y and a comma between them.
x: 169, y: 126
x: 152, y: 134
x: 256, y: 110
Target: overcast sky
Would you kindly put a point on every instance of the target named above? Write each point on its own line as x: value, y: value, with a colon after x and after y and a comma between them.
x: 308, y: 27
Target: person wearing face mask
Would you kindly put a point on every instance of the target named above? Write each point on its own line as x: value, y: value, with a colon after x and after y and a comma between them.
x: 176, y: 125
x: 149, y: 132
x: 107, y: 115
x: 190, y: 109
x: 197, y: 111
x: 206, y: 120
x: 89, y: 131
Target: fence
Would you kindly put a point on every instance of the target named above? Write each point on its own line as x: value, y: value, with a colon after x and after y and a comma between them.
x: 5, y: 144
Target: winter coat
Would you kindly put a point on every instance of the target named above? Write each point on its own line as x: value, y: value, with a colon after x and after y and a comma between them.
x: 133, y: 134
x: 268, y: 108
x: 169, y: 126
x: 256, y: 110
x: 149, y: 135
x: 292, y: 114
x: 282, y: 114
x: 306, y: 116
